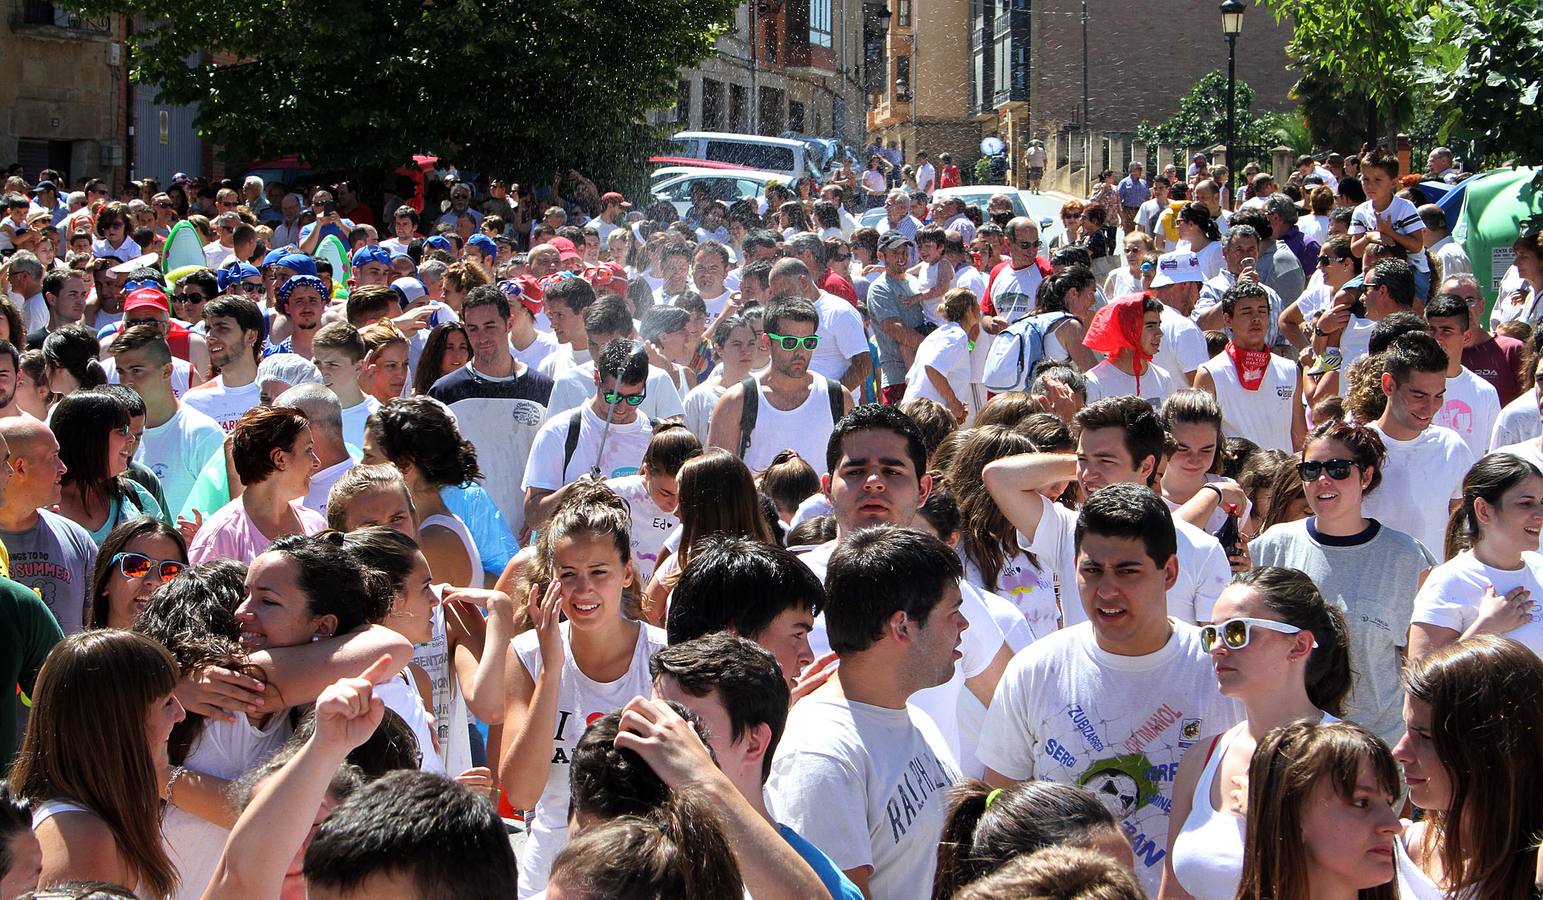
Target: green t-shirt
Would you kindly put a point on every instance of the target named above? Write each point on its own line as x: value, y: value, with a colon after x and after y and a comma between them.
x: 28, y: 631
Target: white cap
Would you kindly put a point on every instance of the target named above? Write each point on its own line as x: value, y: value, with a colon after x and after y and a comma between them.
x: 1177, y: 268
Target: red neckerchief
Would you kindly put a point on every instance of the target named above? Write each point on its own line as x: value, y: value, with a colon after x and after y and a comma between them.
x: 1251, y: 365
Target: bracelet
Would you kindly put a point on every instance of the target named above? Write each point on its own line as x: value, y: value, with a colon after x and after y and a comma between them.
x: 176, y: 774
x: 1219, y: 496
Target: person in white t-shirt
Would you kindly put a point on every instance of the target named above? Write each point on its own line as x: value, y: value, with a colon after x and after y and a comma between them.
x: 709, y: 267
x: 1121, y: 440
x: 234, y: 328
x: 1258, y: 391
x: 1472, y: 405
x: 529, y: 344
x: 734, y: 343
x: 942, y: 368
x: 1129, y: 330
x: 178, y: 440
x: 858, y: 772
x: 608, y: 435
x: 1493, y: 585
x: 1177, y: 285
x: 1113, y: 702
x: 338, y: 352
x: 653, y: 495
x: 1395, y: 220
x: 926, y: 174
x: 1422, y: 480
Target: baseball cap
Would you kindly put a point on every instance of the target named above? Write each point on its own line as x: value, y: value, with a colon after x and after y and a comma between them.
x: 614, y: 197
x: 45, y: 185
x: 147, y: 298
x: 408, y: 290
x: 889, y: 240
x: 483, y: 243
x: 525, y: 289
x: 565, y: 249
x: 371, y: 253
x: 298, y: 263
x: 439, y: 242
x: 1177, y: 268
x: 275, y: 255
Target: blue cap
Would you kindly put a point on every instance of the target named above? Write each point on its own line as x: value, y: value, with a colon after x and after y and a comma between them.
x: 235, y: 273
x: 298, y: 263
x: 483, y: 243
x: 439, y: 242
x: 275, y: 255
x: 371, y: 253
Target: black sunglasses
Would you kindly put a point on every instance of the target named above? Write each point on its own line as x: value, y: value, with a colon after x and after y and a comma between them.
x: 1338, y: 469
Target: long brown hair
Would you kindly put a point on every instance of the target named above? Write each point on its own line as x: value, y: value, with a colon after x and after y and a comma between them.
x: 987, y: 538
x: 678, y: 850
x: 86, y: 741
x: 117, y: 542
x: 717, y: 494
x: 1287, y: 765
x: 1486, y: 700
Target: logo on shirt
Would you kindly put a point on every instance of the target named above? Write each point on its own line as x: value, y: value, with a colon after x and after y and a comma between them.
x: 527, y: 413
x: 1122, y: 783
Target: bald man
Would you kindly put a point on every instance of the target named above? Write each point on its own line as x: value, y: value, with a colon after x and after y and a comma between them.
x: 49, y: 553
x: 321, y: 406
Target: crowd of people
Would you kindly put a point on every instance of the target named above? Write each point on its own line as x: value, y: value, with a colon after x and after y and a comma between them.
x: 578, y: 551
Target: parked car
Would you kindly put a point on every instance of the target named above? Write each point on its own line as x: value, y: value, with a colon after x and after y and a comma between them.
x: 726, y: 186
x: 791, y: 159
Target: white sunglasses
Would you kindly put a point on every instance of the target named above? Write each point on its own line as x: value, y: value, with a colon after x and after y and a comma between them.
x: 1234, y: 634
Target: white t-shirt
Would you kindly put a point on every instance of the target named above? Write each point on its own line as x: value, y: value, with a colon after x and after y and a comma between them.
x: 354, y: 418
x: 322, y: 481
x: 1033, y: 592
x: 1528, y: 450
x: 177, y: 449
x: 1418, y: 479
x: 624, y: 449
x: 181, y: 374
x: 1155, y: 384
x: 1518, y: 421
x: 947, y: 350
x: 1405, y: 218
x: 576, y: 386
x: 1203, y: 567
x: 579, y: 700
x: 1183, y: 348
x: 223, y: 405
x: 1069, y: 711
x: 1452, y: 591
x: 1471, y: 408
x: 543, y: 346
x: 927, y: 178
x: 841, y: 337
x: 715, y: 306
x: 1264, y: 415
x: 868, y: 785
x: 700, y: 403
x: 650, y: 524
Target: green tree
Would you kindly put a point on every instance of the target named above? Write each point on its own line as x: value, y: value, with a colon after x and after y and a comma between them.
x: 1485, y: 66
x: 361, y: 84
x: 1201, y: 120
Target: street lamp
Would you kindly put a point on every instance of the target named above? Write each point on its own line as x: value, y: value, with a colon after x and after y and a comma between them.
x: 1232, y: 26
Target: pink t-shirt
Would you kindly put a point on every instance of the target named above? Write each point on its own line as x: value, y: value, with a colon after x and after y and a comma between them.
x: 231, y: 534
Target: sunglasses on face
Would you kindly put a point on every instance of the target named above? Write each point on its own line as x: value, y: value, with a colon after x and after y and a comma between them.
x: 1069, y: 218
x: 189, y: 298
x: 248, y: 287
x: 138, y: 565
x: 615, y: 397
x: 1027, y: 245
x: 1331, y: 260
x: 1234, y: 634
x: 1312, y: 469
x: 789, y: 342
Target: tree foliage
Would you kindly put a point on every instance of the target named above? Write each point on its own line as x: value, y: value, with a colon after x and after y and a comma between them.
x: 362, y: 84
x: 1201, y: 120
x: 1485, y: 65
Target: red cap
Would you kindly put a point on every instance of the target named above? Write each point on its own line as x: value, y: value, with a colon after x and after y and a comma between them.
x: 531, y: 294
x: 146, y: 297
x: 614, y: 197
x: 565, y: 249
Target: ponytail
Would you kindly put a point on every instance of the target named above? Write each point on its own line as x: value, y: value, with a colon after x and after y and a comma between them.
x: 1294, y: 597
x: 1488, y: 480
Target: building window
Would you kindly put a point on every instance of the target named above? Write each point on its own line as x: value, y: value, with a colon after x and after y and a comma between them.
x: 683, y: 102
x: 903, y: 13
x: 738, y: 107
x: 712, y: 105
x: 769, y: 41
x: 795, y: 116
x: 903, y: 78
x: 819, y: 23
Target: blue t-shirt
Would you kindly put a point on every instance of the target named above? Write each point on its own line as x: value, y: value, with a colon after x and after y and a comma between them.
x: 835, y: 880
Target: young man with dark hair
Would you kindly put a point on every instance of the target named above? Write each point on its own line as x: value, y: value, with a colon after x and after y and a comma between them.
x: 234, y: 328
x: 775, y: 596
x: 608, y: 435
x: 64, y: 291
x: 1120, y: 440
x: 605, y: 320
x: 1259, y: 392
x: 1113, y: 702
x: 792, y: 407
x: 738, y: 691
x: 1472, y: 404
x: 566, y: 302
x: 1426, y: 462
x: 859, y: 773
x: 499, y: 402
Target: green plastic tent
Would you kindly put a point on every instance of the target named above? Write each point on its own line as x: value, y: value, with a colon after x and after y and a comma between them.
x: 1494, y: 208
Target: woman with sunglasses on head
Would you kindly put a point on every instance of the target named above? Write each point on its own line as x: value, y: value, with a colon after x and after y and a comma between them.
x: 1280, y: 649
x: 1473, y: 759
x: 136, y: 558
x: 1493, y: 577
x: 1365, y: 567
x: 95, y: 446
x: 1336, y: 265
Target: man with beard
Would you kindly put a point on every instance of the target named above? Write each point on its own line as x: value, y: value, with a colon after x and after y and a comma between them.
x: 300, y: 302
x: 234, y: 331
x: 10, y: 364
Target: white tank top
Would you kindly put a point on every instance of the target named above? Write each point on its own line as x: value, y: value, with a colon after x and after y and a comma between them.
x: 454, y: 523
x: 1208, y: 853
x: 1262, y: 416
x: 225, y: 750
x: 806, y: 428
x: 1413, y: 883
x: 451, y: 718
x: 47, y: 809
x: 579, y: 701
x: 401, y: 696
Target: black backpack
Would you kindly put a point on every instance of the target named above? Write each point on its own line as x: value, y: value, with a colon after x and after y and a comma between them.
x: 753, y: 404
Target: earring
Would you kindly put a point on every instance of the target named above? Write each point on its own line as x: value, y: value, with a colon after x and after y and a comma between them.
x: 315, y: 638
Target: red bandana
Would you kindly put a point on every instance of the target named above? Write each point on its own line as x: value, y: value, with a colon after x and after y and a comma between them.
x: 1251, y: 365
x: 1118, y: 327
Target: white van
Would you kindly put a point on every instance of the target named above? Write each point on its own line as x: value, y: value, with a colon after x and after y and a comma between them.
x: 768, y: 154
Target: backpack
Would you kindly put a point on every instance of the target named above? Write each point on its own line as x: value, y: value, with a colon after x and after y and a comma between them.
x: 1017, y: 350
x: 752, y: 405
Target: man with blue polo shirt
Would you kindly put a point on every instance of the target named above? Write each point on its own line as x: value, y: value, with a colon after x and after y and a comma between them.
x: 328, y: 221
